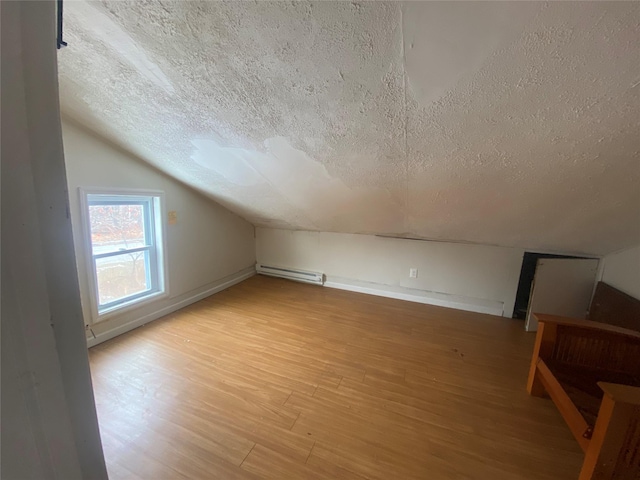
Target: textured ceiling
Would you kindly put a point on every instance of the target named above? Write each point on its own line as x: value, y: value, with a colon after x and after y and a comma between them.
x: 513, y: 124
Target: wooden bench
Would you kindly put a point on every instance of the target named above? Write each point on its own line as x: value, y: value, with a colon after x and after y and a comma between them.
x: 591, y: 371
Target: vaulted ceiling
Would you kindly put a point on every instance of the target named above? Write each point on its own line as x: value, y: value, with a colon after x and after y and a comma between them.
x: 508, y: 123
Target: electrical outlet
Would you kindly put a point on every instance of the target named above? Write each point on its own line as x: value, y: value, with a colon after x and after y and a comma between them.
x: 413, y: 273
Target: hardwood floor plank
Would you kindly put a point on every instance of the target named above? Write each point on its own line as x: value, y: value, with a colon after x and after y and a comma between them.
x: 273, y: 379
x: 368, y: 462
x: 266, y: 463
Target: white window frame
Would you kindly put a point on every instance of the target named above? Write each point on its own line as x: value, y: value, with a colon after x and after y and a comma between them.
x: 157, y: 250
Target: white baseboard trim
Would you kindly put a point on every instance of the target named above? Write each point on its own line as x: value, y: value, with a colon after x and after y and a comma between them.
x: 478, y: 305
x: 179, y: 303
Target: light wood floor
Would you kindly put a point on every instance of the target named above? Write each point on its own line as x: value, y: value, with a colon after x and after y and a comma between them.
x: 279, y: 380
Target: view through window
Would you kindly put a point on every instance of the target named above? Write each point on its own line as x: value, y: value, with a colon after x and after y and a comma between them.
x: 124, y: 248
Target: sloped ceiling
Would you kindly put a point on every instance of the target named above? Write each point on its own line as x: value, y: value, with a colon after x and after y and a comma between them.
x: 514, y: 124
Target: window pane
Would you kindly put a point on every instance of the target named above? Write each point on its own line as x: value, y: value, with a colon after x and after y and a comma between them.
x: 121, y: 276
x: 116, y: 227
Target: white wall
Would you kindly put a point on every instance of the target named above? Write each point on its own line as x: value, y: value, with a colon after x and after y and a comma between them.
x: 49, y: 423
x: 209, y: 247
x: 622, y: 271
x: 471, y: 277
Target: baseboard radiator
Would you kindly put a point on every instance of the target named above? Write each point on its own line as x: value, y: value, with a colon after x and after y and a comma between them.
x: 316, y: 278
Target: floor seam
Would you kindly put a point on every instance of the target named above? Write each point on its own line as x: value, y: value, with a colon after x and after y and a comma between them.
x: 296, y: 420
x: 254, y: 446
x: 314, y: 444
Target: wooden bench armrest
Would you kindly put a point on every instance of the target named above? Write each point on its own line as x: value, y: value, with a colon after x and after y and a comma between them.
x: 614, y: 448
x: 621, y: 393
x: 586, y: 324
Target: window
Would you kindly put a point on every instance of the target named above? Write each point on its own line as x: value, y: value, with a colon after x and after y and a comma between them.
x: 125, y: 248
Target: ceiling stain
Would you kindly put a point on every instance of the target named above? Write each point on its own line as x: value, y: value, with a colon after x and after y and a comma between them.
x: 120, y: 42
x: 513, y: 124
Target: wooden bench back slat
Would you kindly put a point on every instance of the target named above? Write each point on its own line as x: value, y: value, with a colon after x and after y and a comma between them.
x: 596, y: 350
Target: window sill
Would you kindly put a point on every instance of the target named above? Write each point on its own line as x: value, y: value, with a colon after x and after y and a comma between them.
x: 128, y: 306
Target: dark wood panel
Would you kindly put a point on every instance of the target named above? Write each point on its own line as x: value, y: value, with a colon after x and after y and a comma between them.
x: 610, y: 305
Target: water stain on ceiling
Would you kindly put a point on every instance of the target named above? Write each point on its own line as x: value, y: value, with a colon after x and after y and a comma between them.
x: 512, y: 124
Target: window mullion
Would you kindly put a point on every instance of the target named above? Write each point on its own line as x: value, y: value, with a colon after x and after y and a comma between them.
x: 121, y: 252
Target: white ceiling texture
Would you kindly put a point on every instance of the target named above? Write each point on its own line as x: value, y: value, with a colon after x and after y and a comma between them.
x: 509, y: 123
